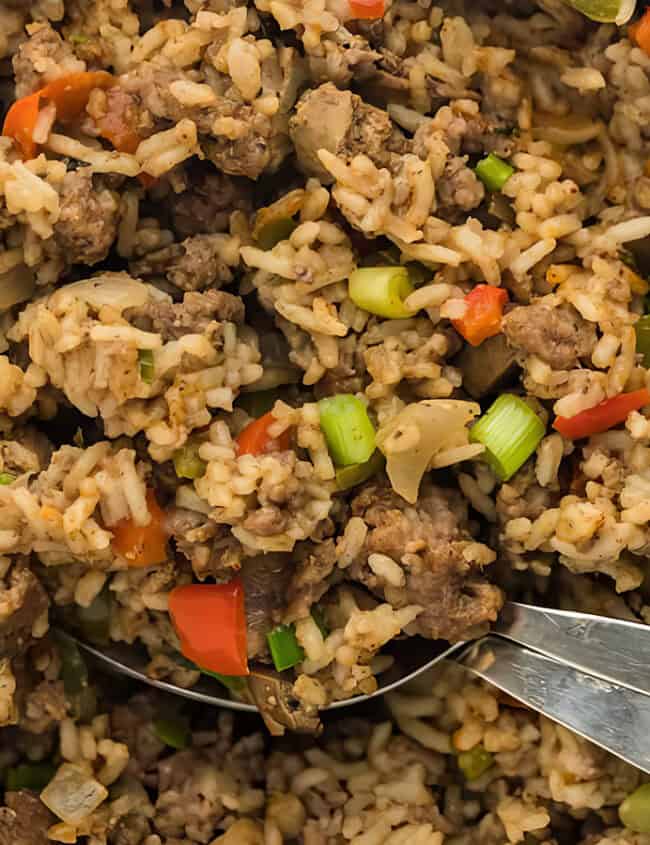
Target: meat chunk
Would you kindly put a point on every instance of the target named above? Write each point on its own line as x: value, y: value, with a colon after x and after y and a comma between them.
x: 209, y: 547
x: 205, y: 207
x: 24, y: 820
x: 310, y: 579
x: 22, y: 601
x: 427, y: 541
x: 191, y: 316
x: 43, y: 57
x: 87, y: 224
x: 44, y: 707
x: 559, y: 336
x: 342, y: 123
x: 458, y: 189
x: 196, y: 263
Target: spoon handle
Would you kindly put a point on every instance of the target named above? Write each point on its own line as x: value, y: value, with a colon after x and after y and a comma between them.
x: 613, y: 717
x: 611, y: 649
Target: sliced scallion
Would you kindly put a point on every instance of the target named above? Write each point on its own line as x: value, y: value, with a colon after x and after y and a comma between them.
x: 347, y: 428
x: 381, y: 291
x: 174, y: 732
x: 642, y: 329
x: 284, y: 647
x: 187, y: 462
x: 510, y: 431
x: 34, y: 776
x: 351, y: 476
x: 275, y: 231
x: 7, y: 478
x: 145, y: 361
x: 494, y: 172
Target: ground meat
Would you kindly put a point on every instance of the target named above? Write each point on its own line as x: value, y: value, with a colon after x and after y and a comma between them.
x: 205, y: 207
x: 191, y: 316
x: 22, y: 601
x: 559, y: 336
x: 261, y: 146
x: 266, y: 521
x: 340, y: 57
x: 44, y: 707
x: 119, y: 116
x: 209, y: 547
x: 427, y: 541
x: 458, y: 188
x: 87, y: 224
x: 24, y: 820
x: 130, y: 830
x: 194, y: 264
x: 42, y: 57
x: 339, y: 121
x: 311, y: 579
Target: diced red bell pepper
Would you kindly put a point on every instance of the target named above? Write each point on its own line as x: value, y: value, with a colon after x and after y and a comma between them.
x: 210, y: 621
x: 367, y: 9
x: 142, y: 545
x: 482, y: 318
x: 639, y: 32
x: 256, y: 440
x: 602, y: 417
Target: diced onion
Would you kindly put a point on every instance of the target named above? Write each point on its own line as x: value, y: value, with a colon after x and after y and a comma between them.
x: 73, y: 795
x: 426, y: 435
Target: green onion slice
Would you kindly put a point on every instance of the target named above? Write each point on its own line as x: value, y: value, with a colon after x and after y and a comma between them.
x: 34, y: 776
x: 7, y: 478
x: 381, y: 291
x: 494, y: 172
x: 187, y: 462
x: 634, y: 812
x: 475, y: 762
x: 145, y: 361
x: 351, y: 476
x: 275, y: 231
x: 642, y: 329
x: 174, y: 732
x: 347, y: 428
x: 510, y: 432
x: 284, y: 647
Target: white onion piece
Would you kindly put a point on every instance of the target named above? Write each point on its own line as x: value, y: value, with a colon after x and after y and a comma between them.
x: 118, y: 290
x: 423, y: 436
x: 16, y: 285
x: 73, y: 794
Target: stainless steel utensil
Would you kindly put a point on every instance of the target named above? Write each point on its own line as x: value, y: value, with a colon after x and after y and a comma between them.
x: 587, y: 672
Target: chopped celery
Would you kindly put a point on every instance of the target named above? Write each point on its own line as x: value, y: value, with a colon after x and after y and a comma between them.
x: 284, y: 647
x: 381, y: 291
x: 347, y: 428
x: 145, y: 360
x: 34, y: 776
x: 275, y: 231
x: 494, y: 172
x: 187, y: 462
x: 642, y: 329
x: 74, y: 672
x: 94, y: 620
x: 7, y: 478
x: 351, y: 476
x: 475, y: 762
x: 510, y: 431
x: 173, y: 731
x: 634, y: 812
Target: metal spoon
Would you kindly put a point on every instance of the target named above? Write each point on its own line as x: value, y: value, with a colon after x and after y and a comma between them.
x: 578, y: 669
